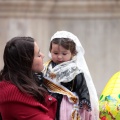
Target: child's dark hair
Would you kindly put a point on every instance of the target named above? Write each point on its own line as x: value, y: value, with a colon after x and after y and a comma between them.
x: 66, y: 43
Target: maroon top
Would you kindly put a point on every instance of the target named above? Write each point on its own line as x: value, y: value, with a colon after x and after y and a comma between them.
x: 16, y: 105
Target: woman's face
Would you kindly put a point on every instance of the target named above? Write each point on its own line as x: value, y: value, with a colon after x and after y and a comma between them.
x: 37, y: 65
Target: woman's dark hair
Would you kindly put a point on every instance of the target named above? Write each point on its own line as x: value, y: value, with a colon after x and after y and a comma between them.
x: 65, y: 43
x: 18, y: 59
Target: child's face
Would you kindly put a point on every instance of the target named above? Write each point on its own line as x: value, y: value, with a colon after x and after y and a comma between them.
x: 60, y: 54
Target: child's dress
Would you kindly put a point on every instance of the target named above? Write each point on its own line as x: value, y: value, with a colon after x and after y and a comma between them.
x: 72, y: 79
x: 65, y: 111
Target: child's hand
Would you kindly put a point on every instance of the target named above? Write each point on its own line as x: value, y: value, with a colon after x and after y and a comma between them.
x: 85, y: 107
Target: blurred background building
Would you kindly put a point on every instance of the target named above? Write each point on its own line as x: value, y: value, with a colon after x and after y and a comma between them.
x: 95, y: 22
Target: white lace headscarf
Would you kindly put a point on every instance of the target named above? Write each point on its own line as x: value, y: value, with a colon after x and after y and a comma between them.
x: 81, y: 63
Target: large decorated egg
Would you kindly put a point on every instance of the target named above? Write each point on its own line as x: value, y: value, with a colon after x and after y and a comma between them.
x: 109, y: 102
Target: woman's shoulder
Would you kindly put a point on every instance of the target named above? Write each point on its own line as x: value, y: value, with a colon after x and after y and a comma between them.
x: 11, y: 97
x: 10, y: 93
x: 6, y: 87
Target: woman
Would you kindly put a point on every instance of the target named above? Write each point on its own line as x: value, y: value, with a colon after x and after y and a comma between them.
x: 21, y: 96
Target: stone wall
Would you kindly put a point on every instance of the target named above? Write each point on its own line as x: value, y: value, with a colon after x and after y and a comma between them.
x: 95, y: 22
